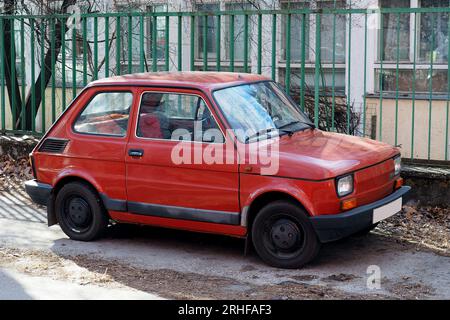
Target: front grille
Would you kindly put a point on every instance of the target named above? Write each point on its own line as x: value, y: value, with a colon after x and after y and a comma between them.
x: 375, y: 182
x: 53, y: 145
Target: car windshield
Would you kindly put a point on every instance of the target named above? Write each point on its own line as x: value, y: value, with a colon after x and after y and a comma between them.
x: 259, y: 111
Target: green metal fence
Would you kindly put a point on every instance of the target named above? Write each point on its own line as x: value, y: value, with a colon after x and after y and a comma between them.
x: 379, y: 73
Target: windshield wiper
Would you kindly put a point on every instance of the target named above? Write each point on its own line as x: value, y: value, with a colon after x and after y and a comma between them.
x: 266, y: 132
x: 309, y: 124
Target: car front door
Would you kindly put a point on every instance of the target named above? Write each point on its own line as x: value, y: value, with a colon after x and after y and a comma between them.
x: 188, y: 179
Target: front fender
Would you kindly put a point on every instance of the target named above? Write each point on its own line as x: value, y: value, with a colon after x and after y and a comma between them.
x: 292, y: 191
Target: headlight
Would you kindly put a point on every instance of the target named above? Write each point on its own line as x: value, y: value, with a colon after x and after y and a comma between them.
x: 397, y: 166
x: 344, y: 185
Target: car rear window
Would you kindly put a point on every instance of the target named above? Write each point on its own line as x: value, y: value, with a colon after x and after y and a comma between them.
x: 106, y: 114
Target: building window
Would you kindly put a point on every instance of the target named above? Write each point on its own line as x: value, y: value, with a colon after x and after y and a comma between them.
x: 438, y: 81
x: 296, y: 31
x: 432, y: 46
x: 18, y: 51
x: 160, y: 32
x: 211, y: 30
x: 326, y: 81
x: 392, y: 22
x: 329, y: 23
x: 433, y: 43
x: 128, y: 24
x: 134, y: 46
x: 238, y: 31
x: 328, y: 47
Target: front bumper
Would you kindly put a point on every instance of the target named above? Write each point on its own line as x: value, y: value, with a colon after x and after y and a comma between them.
x: 38, y: 192
x: 338, y: 226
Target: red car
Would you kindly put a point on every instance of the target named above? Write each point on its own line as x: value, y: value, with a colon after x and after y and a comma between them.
x: 221, y: 153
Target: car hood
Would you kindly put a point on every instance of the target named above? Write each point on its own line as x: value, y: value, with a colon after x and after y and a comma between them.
x: 319, y: 155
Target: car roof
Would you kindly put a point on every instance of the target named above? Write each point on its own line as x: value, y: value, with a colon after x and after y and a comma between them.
x: 191, y: 79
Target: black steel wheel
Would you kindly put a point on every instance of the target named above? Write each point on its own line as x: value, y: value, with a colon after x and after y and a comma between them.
x: 283, y: 235
x: 79, y: 212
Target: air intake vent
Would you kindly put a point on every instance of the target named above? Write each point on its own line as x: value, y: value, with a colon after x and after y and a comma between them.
x: 54, y: 145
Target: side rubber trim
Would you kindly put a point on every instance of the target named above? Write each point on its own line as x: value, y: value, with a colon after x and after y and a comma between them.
x: 212, y: 216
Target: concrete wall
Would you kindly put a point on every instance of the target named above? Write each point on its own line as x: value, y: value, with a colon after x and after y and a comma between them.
x: 439, y: 121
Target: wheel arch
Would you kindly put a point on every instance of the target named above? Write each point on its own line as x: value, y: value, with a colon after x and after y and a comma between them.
x: 251, y: 210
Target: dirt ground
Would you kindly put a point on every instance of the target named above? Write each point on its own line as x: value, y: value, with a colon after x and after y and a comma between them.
x: 412, y: 251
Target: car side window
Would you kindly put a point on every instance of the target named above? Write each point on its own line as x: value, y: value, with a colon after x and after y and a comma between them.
x: 174, y: 116
x: 106, y: 114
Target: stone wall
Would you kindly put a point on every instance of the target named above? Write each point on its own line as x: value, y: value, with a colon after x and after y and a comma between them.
x: 430, y: 184
x: 17, y: 147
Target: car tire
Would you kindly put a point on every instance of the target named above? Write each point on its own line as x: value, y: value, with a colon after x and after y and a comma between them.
x: 283, y: 236
x: 80, y: 212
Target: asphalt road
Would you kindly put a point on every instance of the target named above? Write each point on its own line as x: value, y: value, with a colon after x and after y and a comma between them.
x: 151, y: 263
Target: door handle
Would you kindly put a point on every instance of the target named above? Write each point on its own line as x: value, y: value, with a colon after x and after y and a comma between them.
x: 135, y: 152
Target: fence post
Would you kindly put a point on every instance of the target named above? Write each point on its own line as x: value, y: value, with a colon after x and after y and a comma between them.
x: 218, y: 48
x: 381, y: 57
x: 22, y: 74
x: 43, y: 85
x: 84, y: 34
x: 349, y: 63
x: 246, y: 43
x: 365, y: 77
x: 274, y: 45
x: 166, y: 48
x: 33, y: 78
x: 130, y: 44
x: 397, y: 78
x: 192, y: 46
x: 205, y: 43
x: 95, y: 48
x: 106, y: 46
x: 430, y: 83
x: 180, y: 43
x: 303, y: 53
x: 287, y: 79
x: 333, y: 80
x: 448, y: 91
x: 118, y: 45
x: 53, y: 60
x: 317, y: 70
x: 232, y: 43
x: 74, y: 62
x: 141, y: 44
x: 414, y: 87
x: 259, y: 58
x: 12, y: 66
x: 63, y: 63
x: 2, y: 74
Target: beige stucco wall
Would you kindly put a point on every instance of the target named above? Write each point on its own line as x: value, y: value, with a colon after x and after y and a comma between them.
x: 421, y: 126
x: 48, y: 108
